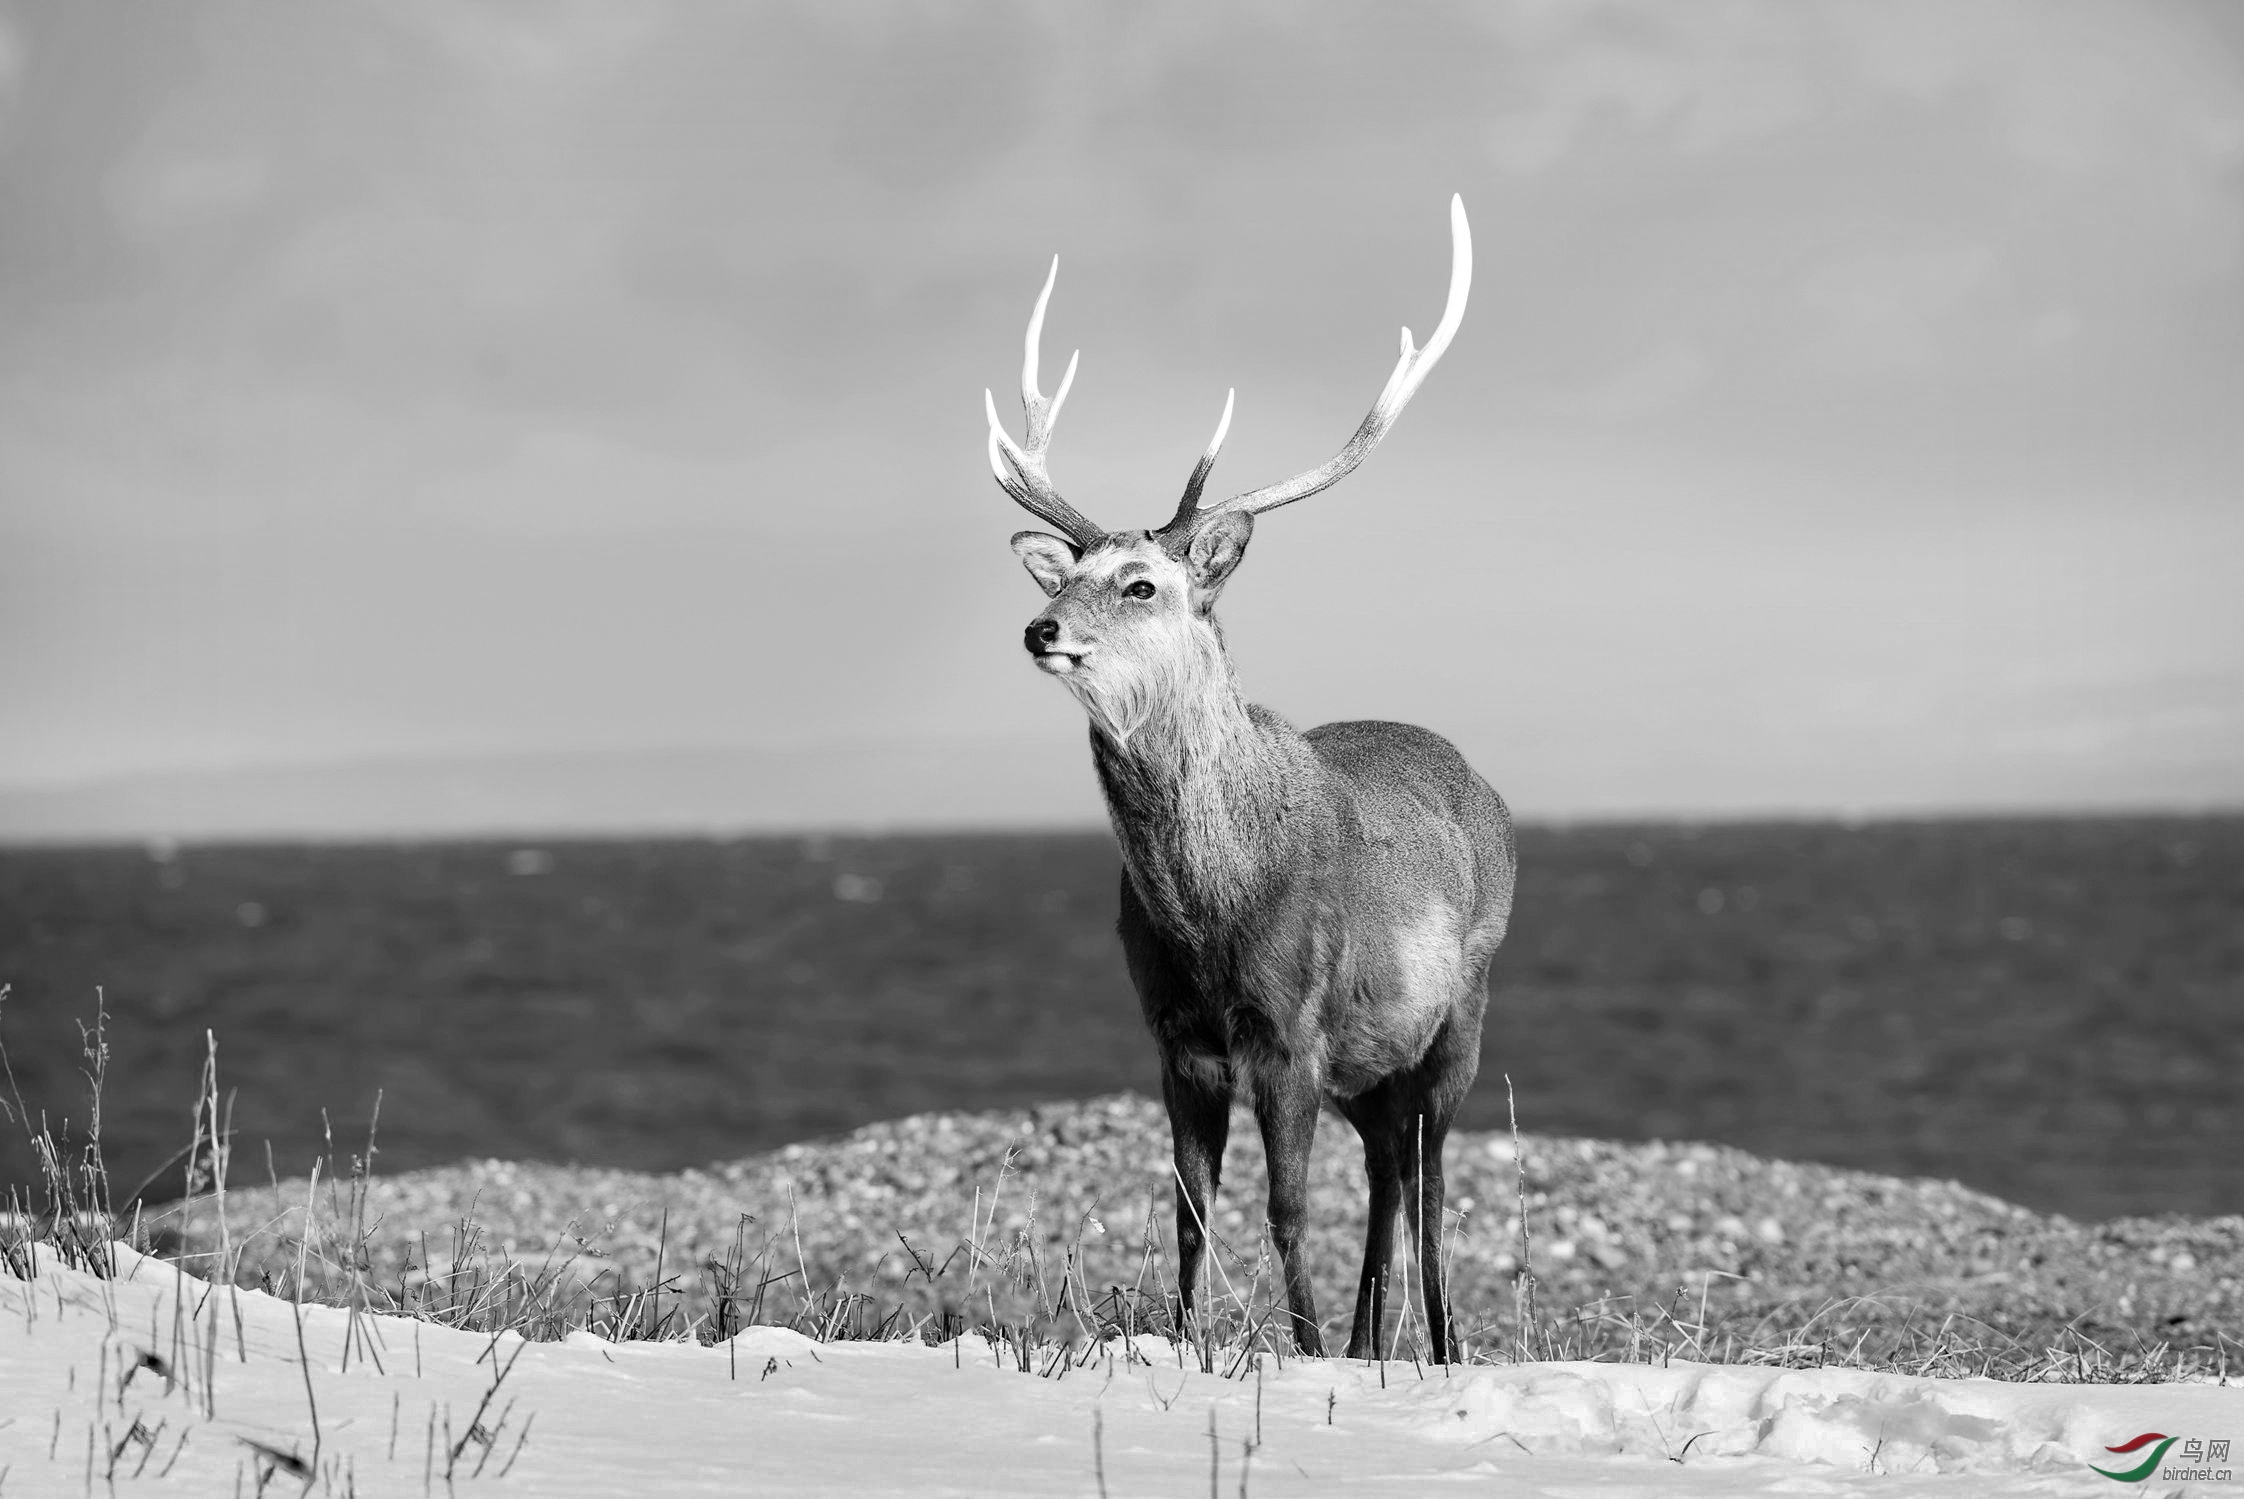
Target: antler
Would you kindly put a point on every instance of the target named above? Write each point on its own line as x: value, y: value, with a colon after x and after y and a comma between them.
x: 1410, y: 371
x: 1020, y: 469
x: 1188, y: 508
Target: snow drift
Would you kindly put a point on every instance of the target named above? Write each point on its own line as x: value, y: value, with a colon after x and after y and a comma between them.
x: 156, y: 1378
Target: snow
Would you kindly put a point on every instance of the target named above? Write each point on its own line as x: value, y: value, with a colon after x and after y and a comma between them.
x: 774, y: 1412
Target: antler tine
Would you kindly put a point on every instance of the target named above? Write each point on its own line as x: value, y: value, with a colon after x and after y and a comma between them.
x: 1043, y: 416
x: 1410, y: 372
x: 1189, y: 506
x: 1020, y: 468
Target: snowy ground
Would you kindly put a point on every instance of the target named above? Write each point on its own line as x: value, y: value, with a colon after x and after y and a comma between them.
x: 156, y: 1379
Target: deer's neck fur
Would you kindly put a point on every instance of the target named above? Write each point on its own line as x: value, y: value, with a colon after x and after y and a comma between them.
x: 1199, y: 785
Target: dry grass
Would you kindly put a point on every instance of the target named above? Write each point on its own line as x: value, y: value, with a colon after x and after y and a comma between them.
x: 1034, y: 1273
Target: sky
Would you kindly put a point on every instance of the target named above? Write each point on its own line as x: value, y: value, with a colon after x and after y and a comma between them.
x: 444, y: 416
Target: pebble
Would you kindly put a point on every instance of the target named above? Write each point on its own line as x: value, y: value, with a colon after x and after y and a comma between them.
x: 1084, y: 1188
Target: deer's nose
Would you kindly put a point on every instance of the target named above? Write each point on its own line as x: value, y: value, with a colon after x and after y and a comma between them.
x: 1040, y: 634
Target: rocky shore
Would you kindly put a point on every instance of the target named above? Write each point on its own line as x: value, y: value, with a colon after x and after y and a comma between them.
x: 1690, y: 1248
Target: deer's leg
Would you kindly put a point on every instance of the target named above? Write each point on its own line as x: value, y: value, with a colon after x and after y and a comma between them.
x: 1369, y: 1113
x: 1422, y: 1197
x: 1196, y: 1078
x: 1198, y: 1094
x: 1444, y: 1076
x: 1379, y: 1250
x: 1286, y: 1105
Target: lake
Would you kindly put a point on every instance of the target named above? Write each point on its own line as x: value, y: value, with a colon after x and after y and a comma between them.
x: 2048, y: 1009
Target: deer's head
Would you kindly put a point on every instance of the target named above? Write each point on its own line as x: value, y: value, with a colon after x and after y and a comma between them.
x: 1131, y: 618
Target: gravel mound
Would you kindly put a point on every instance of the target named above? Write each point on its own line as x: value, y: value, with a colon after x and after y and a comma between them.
x: 1624, y: 1241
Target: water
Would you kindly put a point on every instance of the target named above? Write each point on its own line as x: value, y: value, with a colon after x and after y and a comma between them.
x: 2050, y: 1010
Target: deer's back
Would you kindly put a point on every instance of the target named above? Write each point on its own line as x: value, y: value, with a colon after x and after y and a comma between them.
x: 1405, y: 790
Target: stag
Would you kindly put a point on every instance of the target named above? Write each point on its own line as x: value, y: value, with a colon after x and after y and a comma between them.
x: 1305, y: 916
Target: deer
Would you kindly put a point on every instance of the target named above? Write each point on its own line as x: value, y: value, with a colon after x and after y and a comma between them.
x: 1304, y: 916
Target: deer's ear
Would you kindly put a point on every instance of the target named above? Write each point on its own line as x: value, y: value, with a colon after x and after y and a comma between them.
x: 1216, y: 548
x: 1048, y: 559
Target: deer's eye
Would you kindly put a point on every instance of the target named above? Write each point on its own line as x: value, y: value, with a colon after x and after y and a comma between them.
x: 1141, y: 589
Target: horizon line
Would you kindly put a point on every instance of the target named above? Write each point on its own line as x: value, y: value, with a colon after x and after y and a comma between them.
x: 870, y: 832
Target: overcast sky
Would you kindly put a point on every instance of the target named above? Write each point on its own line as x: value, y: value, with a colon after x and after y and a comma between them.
x: 1847, y: 416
